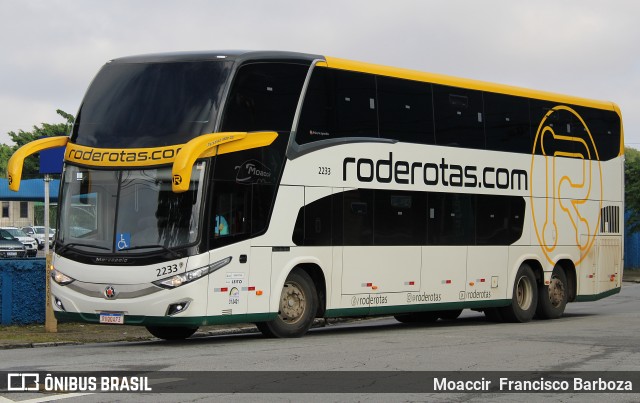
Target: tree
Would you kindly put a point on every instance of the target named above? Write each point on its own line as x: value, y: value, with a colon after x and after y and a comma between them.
x: 632, y: 188
x: 32, y: 163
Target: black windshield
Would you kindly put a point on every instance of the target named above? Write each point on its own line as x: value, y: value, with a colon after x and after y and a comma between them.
x: 150, y: 104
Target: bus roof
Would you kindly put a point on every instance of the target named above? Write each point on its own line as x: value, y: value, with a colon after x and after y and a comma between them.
x: 242, y: 56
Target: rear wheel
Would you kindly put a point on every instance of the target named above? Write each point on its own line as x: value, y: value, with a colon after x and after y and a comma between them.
x: 297, y: 310
x: 171, y: 332
x: 525, y: 297
x: 552, y: 299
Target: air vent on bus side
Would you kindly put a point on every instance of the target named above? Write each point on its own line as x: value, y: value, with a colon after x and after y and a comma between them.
x: 610, y: 220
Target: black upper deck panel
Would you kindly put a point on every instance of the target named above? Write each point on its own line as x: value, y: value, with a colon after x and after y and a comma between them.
x: 163, y: 99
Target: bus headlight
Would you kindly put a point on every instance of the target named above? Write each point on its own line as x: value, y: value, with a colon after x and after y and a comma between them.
x: 192, y: 275
x: 61, y: 278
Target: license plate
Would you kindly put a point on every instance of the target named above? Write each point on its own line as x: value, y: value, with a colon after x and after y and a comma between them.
x: 112, y: 318
x: 12, y: 253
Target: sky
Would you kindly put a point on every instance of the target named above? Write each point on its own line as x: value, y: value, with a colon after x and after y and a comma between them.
x: 51, y: 49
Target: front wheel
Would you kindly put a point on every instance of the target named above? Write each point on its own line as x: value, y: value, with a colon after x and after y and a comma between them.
x: 172, y: 332
x: 297, y: 310
x: 552, y: 299
x: 525, y: 297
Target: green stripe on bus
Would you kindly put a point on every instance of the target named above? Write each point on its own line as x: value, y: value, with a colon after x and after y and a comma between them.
x: 399, y: 309
x: 137, y: 320
x: 595, y: 297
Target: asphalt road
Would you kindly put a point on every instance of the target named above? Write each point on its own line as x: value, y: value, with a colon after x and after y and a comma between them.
x: 595, y: 336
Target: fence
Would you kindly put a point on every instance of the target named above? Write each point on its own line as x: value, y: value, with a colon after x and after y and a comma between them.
x: 22, y: 291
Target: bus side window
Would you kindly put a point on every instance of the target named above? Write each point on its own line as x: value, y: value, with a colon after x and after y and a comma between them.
x: 338, y: 104
x: 406, y: 110
x: 451, y: 219
x: 507, y: 123
x: 264, y: 96
x: 459, y: 117
x: 358, y: 217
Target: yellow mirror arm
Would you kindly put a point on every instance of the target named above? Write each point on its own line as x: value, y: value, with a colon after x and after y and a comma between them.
x: 209, y: 145
x: 16, y: 162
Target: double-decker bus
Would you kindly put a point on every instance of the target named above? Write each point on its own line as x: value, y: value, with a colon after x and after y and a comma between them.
x: 275, y: 188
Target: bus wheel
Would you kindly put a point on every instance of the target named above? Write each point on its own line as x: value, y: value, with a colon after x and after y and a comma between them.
x: 552, y: 299
x: 417, y: 317
x: 298, y: 306
x: 450, y: 315
x: 171, y: 332
x: 525, y: 297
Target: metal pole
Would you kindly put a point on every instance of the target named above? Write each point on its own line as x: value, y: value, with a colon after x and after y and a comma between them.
x: 50, y: 322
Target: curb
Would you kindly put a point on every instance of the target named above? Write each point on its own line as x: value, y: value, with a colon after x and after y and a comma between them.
x: 38, y: 345
x: 200, y: 334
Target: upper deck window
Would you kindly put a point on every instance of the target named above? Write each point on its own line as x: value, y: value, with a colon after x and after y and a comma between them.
x: 264, y: 96
x: 150, y: 104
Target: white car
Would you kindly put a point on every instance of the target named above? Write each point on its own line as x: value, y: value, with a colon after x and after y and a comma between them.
x: 31, y: 244
x: 37, y: 232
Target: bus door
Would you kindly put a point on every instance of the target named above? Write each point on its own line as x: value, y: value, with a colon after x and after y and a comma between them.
x: 382, y: 231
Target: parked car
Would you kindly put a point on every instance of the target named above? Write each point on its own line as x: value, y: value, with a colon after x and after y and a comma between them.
x: 37, y: 232
x: 10, y: 247
x: 29, y: 243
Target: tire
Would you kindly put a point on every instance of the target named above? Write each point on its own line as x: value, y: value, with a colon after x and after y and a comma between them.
x: 418, y: 317
x: 552, y: 299
x: 297, y: 310
x: 450, y: 315
x: 171, y: 332
x: 525, y: 297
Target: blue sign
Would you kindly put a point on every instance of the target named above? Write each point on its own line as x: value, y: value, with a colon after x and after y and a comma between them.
x: 123, y: 241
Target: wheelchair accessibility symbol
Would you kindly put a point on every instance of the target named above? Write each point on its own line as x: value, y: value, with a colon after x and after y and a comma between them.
x: 124, y: 241
x: 566, y: 193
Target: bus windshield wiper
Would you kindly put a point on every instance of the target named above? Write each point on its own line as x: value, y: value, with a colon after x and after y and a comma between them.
x: 169, y: 251
x: 69, y: 245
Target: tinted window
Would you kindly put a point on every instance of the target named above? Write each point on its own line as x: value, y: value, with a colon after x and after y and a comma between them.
x: 400, y: 218
x: 605, y: 131
x: 499, y: 219
x: 338, y: 104
x: 507, y: 123
x: 406, y: 110
x: 450, y: 219
x: 459, y: 118
x: 314, y: 222
x: 264, y: 96
x: 150, y: 104
x: 358, y: 217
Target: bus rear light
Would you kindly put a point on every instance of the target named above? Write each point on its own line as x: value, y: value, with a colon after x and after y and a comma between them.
x: 471, y: 283
x: 259, y: 292
x: 409, y: 283
x: 446, y: 281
